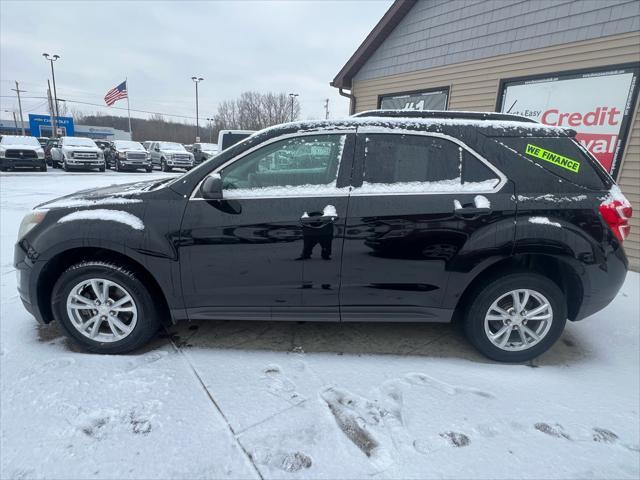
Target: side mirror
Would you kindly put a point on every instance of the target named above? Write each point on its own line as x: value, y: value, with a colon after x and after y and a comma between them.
x: 211, y: 188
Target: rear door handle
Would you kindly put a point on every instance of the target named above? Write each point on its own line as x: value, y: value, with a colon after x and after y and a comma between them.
x: 471, y: 210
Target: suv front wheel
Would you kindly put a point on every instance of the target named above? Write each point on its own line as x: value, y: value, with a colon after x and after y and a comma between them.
x: 103, y: 307
x: 517, y: 317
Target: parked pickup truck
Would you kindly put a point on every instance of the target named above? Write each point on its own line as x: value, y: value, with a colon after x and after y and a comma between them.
x: 127, y: 155
x: 78, y: 153
x: 204, y: 151
x: 18, y: 151
x: 170, y: 155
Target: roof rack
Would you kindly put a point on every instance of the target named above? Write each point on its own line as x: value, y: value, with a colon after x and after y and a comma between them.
x: 448, y: 114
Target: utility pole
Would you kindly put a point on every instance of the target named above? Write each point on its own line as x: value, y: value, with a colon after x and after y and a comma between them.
x: 15, y: 121
x: 52, y: 112
x: 18, y: 91
x: 326, y: 109
x: 292, y: 96
x: 197, y: 80
x: 52, y: 59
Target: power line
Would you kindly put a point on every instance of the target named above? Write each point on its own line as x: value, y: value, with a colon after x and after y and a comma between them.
x: 104, y: 106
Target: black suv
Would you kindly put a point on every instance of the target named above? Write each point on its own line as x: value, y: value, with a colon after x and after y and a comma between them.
x: 507, y: 225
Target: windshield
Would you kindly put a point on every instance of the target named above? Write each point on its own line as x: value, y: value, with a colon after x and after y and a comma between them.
x: 209, y: 146
x: 78, y: 142
x: 15, y: 140
x: 122, y: 144
x: 172, y: 146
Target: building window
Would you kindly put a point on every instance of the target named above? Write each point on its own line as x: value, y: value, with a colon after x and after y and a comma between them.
x: 433, y: 99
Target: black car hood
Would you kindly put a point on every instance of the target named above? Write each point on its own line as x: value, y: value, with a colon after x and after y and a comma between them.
x: 111, y: 195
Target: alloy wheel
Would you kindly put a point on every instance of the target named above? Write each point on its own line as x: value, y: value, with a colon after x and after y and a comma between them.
x: 518, y: 320
x: 102, y: 310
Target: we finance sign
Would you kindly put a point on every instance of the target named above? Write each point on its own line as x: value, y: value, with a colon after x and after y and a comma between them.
x: 598, y: 105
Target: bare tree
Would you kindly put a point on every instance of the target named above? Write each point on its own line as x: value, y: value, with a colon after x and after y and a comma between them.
x: 255, y: 111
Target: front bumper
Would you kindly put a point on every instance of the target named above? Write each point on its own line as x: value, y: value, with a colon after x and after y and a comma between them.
x: 135, y: 163
x: 78, y: 163
x: 179, y: 164
x: 27, y: 270
x: 21, y: 162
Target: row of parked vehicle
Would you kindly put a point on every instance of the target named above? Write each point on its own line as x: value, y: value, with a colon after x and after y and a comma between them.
x: 80, y: 153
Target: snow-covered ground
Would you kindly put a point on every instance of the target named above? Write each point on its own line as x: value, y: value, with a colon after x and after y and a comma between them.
x: 288, y: 400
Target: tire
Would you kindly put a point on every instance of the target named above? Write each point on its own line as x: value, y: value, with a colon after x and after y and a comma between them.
x: 163, y: 166
x: 499, y: 289
x: 149, y: 169
x: 101, y: 169
x: 43, y: 168
x: 145, y: 323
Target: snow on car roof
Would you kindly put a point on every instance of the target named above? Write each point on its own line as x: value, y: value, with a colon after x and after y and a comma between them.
x: 488, y: 126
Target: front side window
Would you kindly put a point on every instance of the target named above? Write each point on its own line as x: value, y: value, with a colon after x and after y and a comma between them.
x: 306, y: 165
x: 398, y: 163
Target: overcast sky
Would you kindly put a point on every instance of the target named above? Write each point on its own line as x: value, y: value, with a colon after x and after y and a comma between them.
x: 280, y: 46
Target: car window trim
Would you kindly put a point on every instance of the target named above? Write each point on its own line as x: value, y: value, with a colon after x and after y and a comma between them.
x: 352, y: 131
x: 384, y: 131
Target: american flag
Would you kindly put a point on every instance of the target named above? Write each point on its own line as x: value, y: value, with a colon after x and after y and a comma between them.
x: 116, y: 93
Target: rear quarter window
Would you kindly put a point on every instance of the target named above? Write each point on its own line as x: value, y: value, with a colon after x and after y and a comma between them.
x: 561, y: 156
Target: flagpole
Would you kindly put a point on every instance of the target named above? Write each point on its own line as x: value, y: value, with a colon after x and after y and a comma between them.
x: 128, y: 108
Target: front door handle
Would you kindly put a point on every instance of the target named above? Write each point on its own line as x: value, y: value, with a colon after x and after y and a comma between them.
x: 328, y: 215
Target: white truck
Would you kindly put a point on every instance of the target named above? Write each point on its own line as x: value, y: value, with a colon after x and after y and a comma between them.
x: 17, y: 152
x: 77, y: 153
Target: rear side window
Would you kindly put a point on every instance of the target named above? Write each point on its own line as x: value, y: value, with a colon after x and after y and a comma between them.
x: 419, y: 163
x: 562, y: 157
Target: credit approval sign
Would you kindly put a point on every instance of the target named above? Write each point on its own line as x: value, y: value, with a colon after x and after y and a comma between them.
x: 598, y: 105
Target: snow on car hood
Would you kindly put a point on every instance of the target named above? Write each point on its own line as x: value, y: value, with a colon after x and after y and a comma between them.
x: 112, y: 195
x: 175, y: 151
x: 125, y: 149
x: 82, y: 149
x: 21, y: 146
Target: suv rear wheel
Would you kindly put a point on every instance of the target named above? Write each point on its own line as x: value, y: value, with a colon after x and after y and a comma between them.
x: 104, y: 308
x: 516, y: 317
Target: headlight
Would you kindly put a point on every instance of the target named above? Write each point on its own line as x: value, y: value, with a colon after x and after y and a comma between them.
x: 100, y: 154
x: 30, y: 220
x: 40, y: 153
x: 2, y: 150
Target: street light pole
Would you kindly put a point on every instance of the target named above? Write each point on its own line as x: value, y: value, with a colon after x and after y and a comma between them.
x: 292, y: 96
x: 197, y: 80
x: 210, y: 120
x: 56, y: 113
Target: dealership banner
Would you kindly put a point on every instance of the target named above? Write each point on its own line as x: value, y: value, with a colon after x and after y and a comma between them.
x: 598, y: 105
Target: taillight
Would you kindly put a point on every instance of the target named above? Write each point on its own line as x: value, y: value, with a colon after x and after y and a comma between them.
x: 617, y: 214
